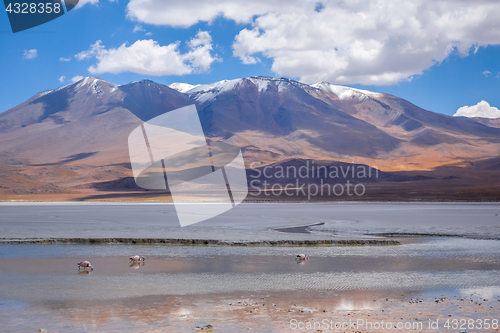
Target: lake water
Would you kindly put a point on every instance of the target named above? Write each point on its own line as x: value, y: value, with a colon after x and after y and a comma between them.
x: 185, y: 286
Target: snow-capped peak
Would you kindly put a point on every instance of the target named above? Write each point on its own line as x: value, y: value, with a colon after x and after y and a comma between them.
x: 206, y: 92
x: 88, y: 81
x: 91, y: 82
x: 182, y: 87
x: 262, y: 83
x: 345, y: 93
x: 94, y: 85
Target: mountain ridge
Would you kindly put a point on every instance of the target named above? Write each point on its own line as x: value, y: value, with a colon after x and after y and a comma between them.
x: 80, y: 130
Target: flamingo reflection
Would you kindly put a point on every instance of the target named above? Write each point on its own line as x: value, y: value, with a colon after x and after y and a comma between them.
x: 136, y: 265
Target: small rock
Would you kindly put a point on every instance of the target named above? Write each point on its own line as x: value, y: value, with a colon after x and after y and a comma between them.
x: 207, y: 328
x: 306, y: 310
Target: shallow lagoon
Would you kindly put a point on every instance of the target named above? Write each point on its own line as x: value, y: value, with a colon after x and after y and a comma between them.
x: 180, y: 287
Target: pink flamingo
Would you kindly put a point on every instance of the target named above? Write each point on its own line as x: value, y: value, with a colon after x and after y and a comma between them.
x: 301, y: 257
x: 137, y: 258
x: 85, y: 264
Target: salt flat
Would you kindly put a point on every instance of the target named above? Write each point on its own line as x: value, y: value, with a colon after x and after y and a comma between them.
x: 254, y: 221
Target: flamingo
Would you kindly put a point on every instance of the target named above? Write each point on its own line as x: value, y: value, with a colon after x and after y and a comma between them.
x: 137, y: 258
x: 85, y: 264
x: 301, y: 257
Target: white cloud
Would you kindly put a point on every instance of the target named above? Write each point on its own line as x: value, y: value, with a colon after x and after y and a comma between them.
x: 149, y: 34
x: 150, y: 58
x: 64, y: 59
x: 30, y: 54
x: 76, y: 78
x: 482, y: 109
x: 61, y: 79
x: 347, y: 42
x: 486, y: 73
x: 94, y: 49
x: 187, y: 13
x: 84, y: 2
x: 138, y: 28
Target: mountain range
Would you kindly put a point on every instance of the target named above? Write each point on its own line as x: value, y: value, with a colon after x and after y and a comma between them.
x: 70, y: 143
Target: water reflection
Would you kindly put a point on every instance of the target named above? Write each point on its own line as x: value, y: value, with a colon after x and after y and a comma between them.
x: 136, y: 265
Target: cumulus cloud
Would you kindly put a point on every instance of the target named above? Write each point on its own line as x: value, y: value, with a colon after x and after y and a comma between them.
x: 62, y: 78
x: 64, y: 59
x: 183, y: 14
x: 363, y: 41
x: 150, y: 58
x: 481, y: 109
x: 95, y: 48
x: 138, y: 28
x: 30, y: 54
x: 76, y: 78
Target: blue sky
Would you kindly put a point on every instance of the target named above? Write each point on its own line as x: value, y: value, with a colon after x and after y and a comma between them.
x: 440, y: 68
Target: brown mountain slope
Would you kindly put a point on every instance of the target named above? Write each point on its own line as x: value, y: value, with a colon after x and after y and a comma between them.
x: 71, y: 142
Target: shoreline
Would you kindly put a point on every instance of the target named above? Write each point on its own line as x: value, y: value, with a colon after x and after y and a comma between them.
x: 241, y: 243
x: 342, y: 311
x: 430, y: 235
x: 197, y: 242
x: 158, y: 202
